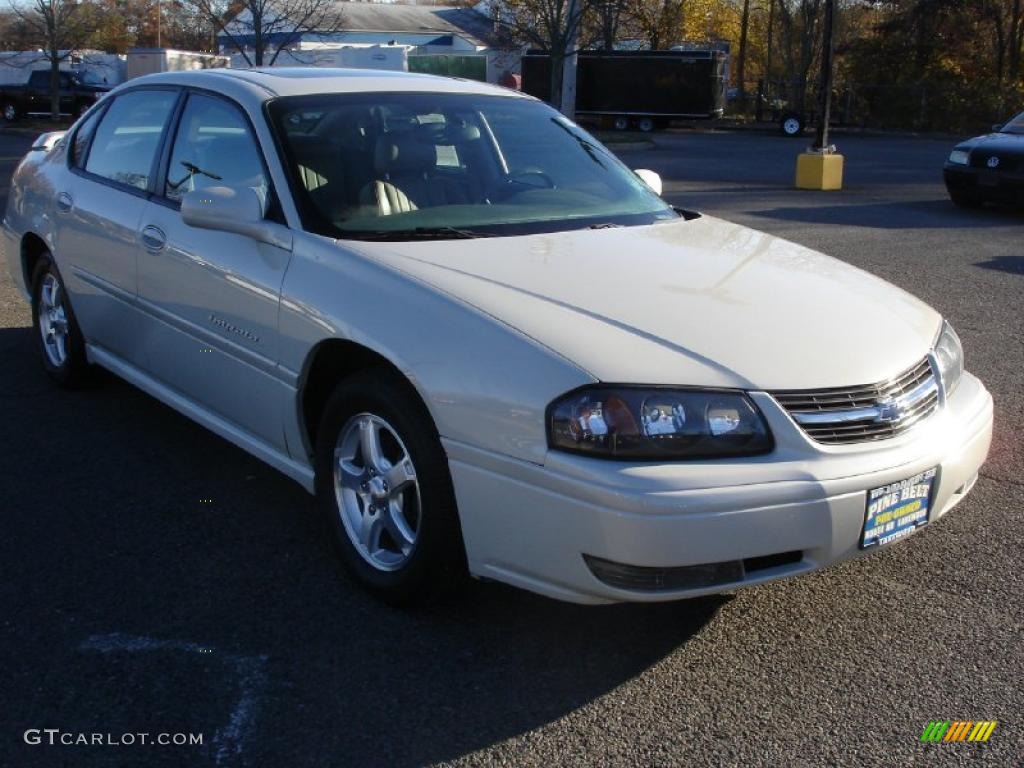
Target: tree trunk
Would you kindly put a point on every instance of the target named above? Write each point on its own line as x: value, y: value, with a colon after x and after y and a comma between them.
x: 1016, y: 33
x: 257, y: 37
x: 741, y: 65
x: 557, y: 67
x: 54, y: 84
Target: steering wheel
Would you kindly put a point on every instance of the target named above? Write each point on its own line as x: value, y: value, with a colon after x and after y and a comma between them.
x: 520, y: 181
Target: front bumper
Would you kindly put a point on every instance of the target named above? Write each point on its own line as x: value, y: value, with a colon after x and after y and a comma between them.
x: 984, y: 184
x: 798, y: 509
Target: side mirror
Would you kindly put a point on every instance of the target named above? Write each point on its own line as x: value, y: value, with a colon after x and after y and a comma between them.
x: 651, y: 179
x: 997, y: 128
x: 233, y: 209
x: 47, y: 141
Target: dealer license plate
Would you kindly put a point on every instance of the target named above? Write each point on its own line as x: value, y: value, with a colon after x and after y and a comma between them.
x: 898, y: 509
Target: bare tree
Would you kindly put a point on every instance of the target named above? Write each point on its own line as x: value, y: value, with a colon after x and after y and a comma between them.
x: 61, y: 26
x: 553, y: 26
x: 256, y: 28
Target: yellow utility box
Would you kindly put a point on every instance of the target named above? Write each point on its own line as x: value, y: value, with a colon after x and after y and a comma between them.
x: 818, y: 170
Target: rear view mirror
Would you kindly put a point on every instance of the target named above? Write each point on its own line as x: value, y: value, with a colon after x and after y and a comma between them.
x: 651, y: 179
x: 233, y: 209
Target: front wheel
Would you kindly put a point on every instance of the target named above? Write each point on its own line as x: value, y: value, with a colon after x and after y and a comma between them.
x: 383, y: 482
x: 10, y: 111
x: 621, y: 123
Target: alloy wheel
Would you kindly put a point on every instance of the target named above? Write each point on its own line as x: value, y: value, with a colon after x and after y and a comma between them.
x: 377, y: 492
x: 53, y: 321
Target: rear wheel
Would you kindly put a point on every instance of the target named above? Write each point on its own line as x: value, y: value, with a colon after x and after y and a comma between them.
x: 792, y: 124
x: 10, y: 111
x: 59, y: 339
x: 645, y: 124
x: 383, y: 482
x: 621, y: 123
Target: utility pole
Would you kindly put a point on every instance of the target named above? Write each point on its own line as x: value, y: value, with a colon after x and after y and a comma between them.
x: 569, y: 63
x: 821, y: 167
x: 825, y: 94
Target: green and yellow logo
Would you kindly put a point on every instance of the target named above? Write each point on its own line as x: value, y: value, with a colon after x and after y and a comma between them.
x: 958, y: 730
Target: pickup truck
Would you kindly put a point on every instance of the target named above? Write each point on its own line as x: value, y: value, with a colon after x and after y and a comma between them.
x: 33, y: 98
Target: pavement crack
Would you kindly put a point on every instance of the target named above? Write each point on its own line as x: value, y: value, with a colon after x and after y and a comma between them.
x: 1008, y: 481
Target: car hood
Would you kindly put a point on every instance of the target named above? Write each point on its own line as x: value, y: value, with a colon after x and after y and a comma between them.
x: 1010, y: 143
x: 700, y: 302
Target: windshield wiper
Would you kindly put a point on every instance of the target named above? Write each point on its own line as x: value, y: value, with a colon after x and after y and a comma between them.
x: 419, y: 233
x: 193, y: 169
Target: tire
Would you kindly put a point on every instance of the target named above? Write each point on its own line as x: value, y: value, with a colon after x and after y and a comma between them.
x: 645, y: 124
x: 401, y: 542
x: 9, y: 110
x: 58, y: 336
x: 621, y: 123
x: 963, y: 199
x: 791, y: 124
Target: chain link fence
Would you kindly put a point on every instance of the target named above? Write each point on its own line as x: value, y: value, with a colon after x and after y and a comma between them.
x: 946, y: 107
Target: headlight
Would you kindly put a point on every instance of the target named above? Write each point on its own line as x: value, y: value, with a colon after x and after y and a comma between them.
x: 959, y: 157
x: 655, y: 423
x: 949, y: 357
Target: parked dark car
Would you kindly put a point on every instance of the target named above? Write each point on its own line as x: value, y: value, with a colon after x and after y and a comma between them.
x: 988, y: 168
x: 33, y: 98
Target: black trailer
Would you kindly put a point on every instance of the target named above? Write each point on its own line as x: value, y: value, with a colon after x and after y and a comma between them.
x: 642, y: 89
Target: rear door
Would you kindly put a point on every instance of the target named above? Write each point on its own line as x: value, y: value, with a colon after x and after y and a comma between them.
x: 98, y: 209
x: 212, y: 297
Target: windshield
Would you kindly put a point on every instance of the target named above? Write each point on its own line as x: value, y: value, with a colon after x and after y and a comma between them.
x: 451, y: 165
x: 1016, y: 125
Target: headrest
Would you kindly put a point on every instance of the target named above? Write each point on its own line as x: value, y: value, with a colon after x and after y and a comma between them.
x: 448, y: 134
x: 403, y: 154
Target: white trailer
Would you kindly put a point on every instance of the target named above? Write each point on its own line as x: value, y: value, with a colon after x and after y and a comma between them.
x: 145, y: 61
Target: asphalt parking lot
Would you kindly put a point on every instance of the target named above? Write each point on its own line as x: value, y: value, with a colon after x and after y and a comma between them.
x: 131, y: 605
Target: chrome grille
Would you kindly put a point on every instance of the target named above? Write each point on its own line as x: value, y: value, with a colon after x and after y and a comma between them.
x: 864, y: 413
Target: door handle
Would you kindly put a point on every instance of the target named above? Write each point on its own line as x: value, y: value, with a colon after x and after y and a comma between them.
x: 153, y: 238
x: 65, y: 202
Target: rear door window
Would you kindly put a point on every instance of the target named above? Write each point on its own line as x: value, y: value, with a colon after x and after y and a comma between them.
x: 125, y: 144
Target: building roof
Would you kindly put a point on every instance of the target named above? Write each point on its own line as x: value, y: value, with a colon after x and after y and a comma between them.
x: 389, y: 17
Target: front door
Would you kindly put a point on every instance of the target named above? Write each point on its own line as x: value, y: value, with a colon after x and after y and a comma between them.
x: 212, y: 297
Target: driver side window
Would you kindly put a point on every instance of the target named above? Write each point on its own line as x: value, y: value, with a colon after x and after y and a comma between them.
x: 214, y: 148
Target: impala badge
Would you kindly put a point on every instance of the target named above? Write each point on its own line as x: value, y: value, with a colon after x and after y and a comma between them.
x: 222, y: 323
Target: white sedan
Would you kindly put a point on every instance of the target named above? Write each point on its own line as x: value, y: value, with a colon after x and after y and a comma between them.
x: 485, y: 344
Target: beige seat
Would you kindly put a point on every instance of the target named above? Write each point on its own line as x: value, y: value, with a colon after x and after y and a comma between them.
x: 402, y: 165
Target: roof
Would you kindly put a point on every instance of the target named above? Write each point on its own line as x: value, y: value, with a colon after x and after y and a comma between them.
x: 252, y: 87
x: 390, y: 17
